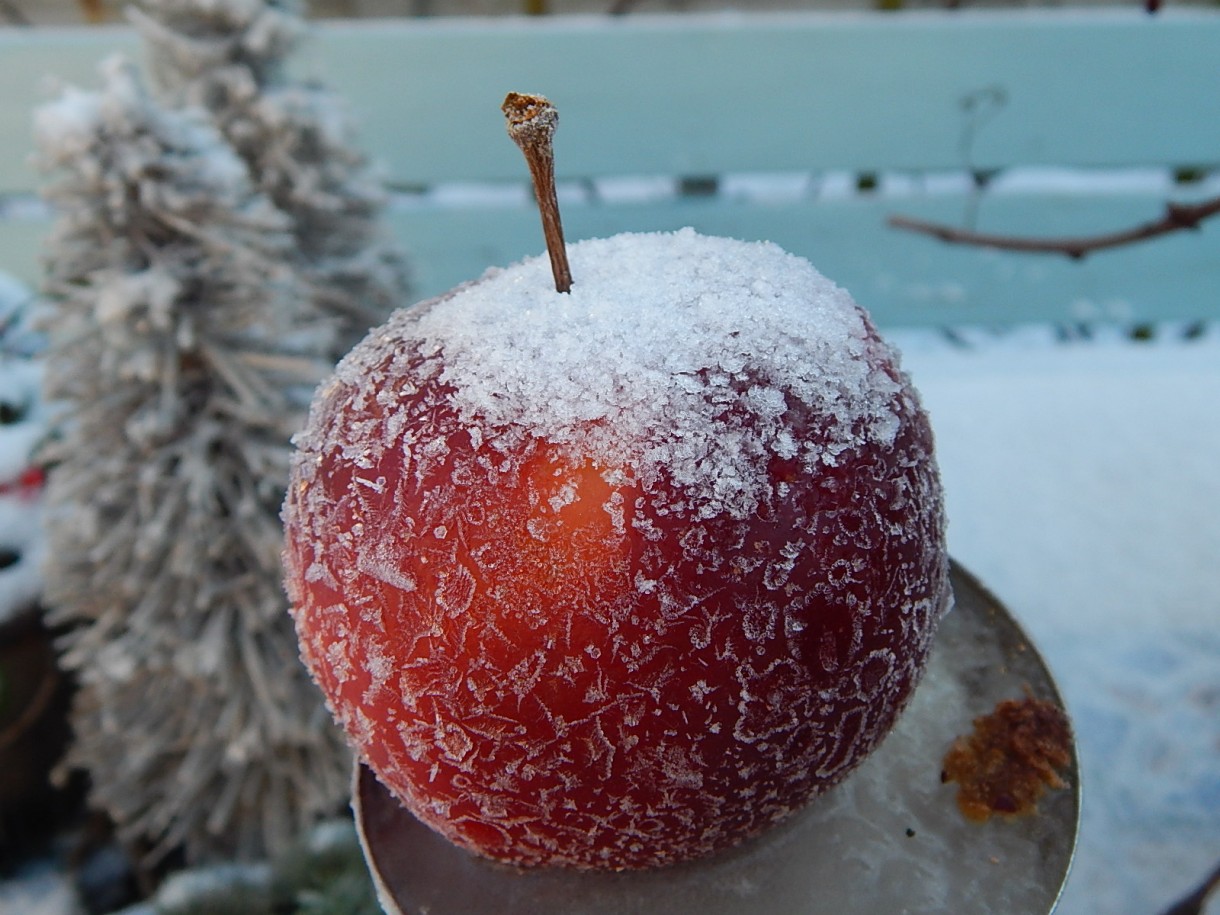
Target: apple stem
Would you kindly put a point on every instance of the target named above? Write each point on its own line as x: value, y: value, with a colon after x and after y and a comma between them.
x: 532, y: 120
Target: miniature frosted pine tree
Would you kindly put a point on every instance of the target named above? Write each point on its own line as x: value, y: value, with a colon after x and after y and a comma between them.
x: 228, y: 57
x: 183, y: 354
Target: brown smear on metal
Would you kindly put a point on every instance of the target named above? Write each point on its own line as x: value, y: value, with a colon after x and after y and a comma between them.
x: 1013, y: 755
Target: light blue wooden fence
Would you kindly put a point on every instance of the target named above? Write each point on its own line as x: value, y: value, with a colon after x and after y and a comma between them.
x: 806, y: 129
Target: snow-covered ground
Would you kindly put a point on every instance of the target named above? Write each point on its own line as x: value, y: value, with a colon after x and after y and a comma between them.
x: 23, y: 422
x: 38, y: 889
x: 1082, y: 487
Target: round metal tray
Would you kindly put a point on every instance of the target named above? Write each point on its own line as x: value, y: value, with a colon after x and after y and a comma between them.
x: 888, y: 839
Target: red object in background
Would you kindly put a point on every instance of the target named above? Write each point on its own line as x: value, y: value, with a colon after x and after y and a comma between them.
x: 29, y: 483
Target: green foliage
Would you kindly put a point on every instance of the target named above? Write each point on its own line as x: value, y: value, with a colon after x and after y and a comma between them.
x: 1142, y: 333
x: 221, y: 890
x: 1189, y: 174
x: 327, y: 875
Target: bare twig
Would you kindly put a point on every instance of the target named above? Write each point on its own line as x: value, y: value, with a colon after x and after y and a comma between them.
x: 13, y: 14
x: 1177, y: 217
x: 1195, y: 902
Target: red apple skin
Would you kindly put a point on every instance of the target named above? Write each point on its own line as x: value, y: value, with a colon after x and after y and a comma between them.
x: 554, y: 662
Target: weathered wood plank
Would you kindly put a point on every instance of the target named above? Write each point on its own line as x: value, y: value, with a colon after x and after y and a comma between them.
x: 700, y: 95
x: 34, y: 64
x: 705, y: 95
x: 904, y: 280
x: 21, y: 249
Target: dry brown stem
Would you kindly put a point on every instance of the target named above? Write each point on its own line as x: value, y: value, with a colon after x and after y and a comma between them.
x: 532, y: 120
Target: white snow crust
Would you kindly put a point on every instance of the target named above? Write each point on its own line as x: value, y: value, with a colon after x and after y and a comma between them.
x: 689, y: 314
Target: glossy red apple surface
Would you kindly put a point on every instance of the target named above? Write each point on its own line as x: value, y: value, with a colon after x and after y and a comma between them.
x: 618, y: 578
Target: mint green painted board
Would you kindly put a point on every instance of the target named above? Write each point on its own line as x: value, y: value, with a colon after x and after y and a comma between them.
x: 34, y: 65
x: 697, y: 95
x: 703, y: 95
x: 21, y: 250
x: 903, y: 279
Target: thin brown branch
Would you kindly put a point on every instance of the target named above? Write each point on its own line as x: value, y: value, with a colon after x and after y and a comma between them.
x: 1177, y: 217
x: 13, y: 13
x: 1195, y: 902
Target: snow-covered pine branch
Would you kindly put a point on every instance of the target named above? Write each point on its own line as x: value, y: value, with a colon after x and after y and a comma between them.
x: 228, y: 57
x: 182, y: 352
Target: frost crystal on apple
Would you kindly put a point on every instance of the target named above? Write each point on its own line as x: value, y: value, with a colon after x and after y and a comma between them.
x: 656, y: 561
x: 716, y: 365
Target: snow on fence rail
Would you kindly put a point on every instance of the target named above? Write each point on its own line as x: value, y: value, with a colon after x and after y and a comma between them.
x: 808, y: 129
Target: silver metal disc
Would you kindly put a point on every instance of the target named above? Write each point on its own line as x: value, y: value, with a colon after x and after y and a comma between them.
x: 888, y: 839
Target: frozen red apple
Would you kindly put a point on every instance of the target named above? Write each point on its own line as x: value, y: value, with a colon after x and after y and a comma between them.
x: 619, y: 577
